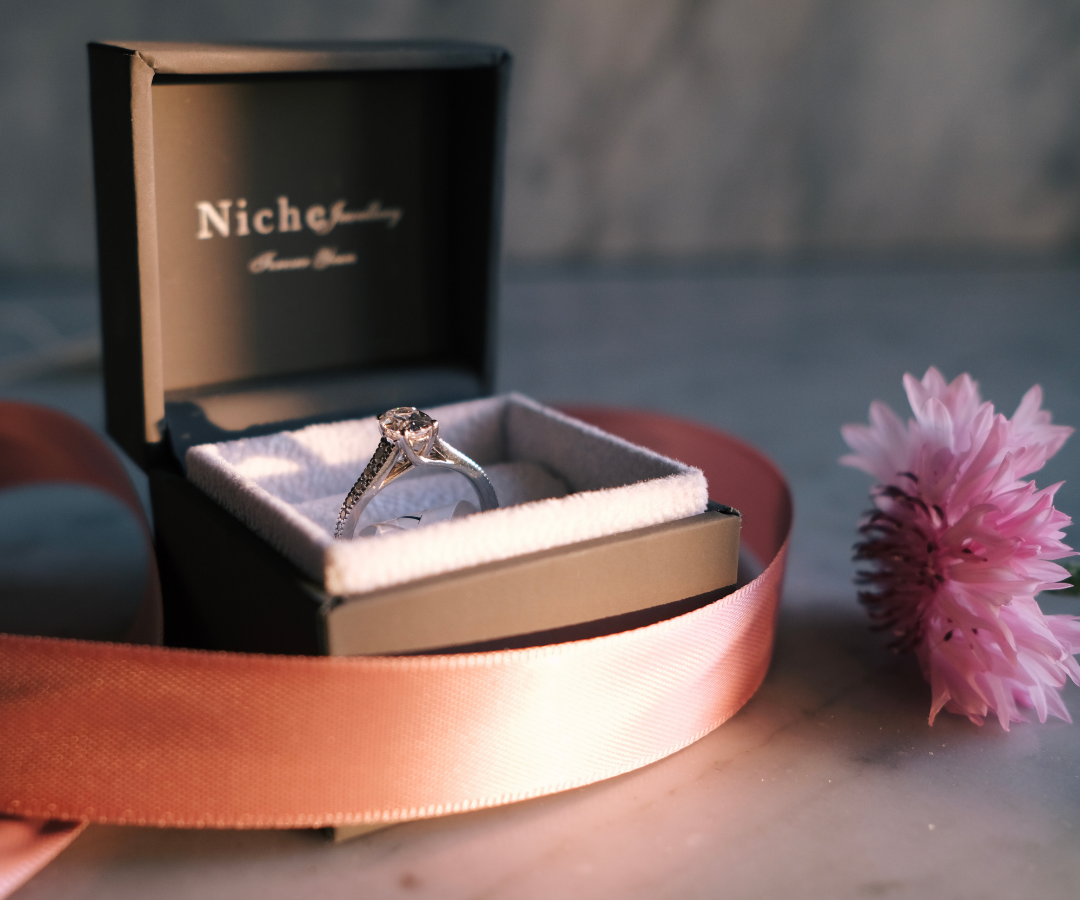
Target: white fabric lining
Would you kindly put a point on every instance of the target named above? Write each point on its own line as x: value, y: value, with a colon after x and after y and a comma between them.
x: 514, y: 482
x: 287, y: 488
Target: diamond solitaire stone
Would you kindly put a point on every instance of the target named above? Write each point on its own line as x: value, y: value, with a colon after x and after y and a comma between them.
x: 409, y: 423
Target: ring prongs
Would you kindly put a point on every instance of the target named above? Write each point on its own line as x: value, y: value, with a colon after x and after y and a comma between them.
x: 409, y: 425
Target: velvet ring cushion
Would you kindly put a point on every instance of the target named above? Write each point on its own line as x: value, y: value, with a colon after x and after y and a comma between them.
x: 559, y: 481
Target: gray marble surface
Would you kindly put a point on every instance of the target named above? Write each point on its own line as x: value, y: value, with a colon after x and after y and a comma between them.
x: 829, y: 783
x: 644, y: 127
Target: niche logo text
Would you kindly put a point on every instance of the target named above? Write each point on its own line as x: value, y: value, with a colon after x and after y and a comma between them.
x: 226, y: 218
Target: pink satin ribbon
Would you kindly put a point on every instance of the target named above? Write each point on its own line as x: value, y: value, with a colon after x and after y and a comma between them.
x: 121, y: 733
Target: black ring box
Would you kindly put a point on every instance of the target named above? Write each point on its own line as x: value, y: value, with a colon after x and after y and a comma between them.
x: 291, y: 234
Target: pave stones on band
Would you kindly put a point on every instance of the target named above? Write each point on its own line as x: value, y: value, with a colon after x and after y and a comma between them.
x: 382, y: 454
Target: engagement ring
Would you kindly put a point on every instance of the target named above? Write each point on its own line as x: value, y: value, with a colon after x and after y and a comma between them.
x: 410, y: 438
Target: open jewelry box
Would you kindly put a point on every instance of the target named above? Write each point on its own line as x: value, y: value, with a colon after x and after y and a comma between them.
x: 293, y: 239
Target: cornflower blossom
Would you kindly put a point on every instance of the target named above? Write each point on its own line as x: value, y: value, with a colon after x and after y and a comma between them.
x: 959, y: 545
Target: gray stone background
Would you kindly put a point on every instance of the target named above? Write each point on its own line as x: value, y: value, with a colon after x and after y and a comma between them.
x: 698, y: 134
x: 655, y: 129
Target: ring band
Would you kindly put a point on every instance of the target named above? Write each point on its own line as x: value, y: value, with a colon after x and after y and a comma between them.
x: 410, y: 439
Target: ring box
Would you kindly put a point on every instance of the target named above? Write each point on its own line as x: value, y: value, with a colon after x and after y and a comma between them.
x: 293, y: 239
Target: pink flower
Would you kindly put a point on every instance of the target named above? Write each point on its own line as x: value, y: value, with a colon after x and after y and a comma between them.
x: 959, y: 546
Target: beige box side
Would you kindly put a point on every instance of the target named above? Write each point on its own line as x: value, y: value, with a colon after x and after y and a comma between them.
x: 567, y: 586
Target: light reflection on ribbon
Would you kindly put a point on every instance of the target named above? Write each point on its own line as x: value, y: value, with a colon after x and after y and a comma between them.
x: 122, y: 733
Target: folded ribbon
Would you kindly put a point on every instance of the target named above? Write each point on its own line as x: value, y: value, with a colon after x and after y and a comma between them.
x: 130, y: 734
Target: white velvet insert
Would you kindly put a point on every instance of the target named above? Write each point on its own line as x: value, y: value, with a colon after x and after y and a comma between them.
x: 514, y: 482
x: 559, y: 481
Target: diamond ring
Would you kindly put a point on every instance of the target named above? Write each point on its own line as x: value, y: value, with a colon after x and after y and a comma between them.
x: 410, y: 439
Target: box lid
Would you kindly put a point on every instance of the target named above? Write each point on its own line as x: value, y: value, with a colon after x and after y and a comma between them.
x: 292, y: 233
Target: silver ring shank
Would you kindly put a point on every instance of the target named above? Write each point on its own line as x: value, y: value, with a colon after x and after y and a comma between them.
x: 392, y: 460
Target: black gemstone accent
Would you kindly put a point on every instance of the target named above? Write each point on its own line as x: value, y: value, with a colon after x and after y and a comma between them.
x: 378, y: 459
